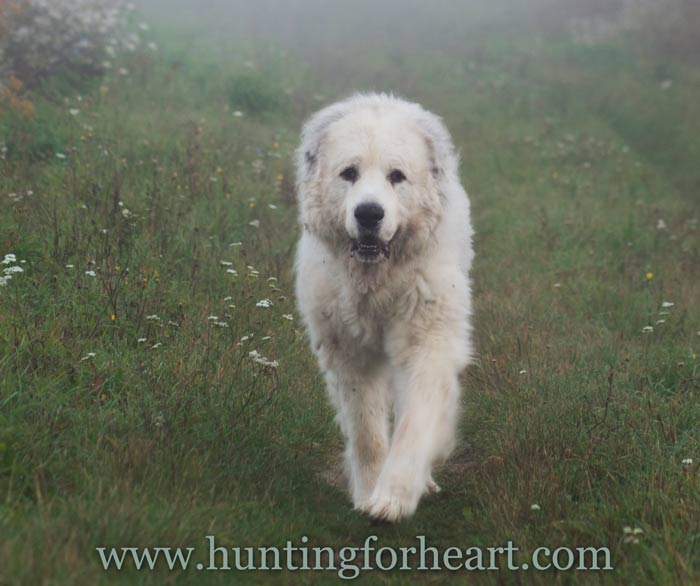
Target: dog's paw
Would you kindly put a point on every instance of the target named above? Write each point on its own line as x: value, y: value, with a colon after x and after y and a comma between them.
x: 389, y: 508
x: 390, y: 505
x: 432, y: 487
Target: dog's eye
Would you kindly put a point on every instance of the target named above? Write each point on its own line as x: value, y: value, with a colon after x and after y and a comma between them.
x: 350, y: 174
x: 396, y: 176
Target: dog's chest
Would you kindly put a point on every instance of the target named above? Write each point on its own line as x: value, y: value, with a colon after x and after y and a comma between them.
x: 363, y: 318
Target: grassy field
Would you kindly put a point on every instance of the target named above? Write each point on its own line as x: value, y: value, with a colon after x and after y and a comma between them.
x: 149, y: 398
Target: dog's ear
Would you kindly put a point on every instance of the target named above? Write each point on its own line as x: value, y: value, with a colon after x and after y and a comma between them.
x: 312, y: 137
x: 444, y: 159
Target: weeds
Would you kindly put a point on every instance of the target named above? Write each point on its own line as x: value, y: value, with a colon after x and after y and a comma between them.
x: 255, y: 93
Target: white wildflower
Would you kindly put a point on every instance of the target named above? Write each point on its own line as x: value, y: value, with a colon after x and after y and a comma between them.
x: 213, y: 317
x: 226, y: 263
x: 91, y: 273
x: 140, y: 340
x: 647, y: 329
x: 9, y: 259
x: 661, y: 225
x: 152, y: 317
x: 74, y: 111
x: 667, y: 304
x: 288, y: 316
x: 254, y: 223
x: 237, y: 113
x: 260, y: 359
x: 264, y: 303
x: 631, y: 535
x: 535, y: 507
x: 88, y: 356
x: 60, y: 156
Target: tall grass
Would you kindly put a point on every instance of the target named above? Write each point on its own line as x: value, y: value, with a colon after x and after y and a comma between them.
x: 155, y: 384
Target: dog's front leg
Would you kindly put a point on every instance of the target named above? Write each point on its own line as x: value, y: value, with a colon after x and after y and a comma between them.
x: 362, y: 405
x: 426, y: 407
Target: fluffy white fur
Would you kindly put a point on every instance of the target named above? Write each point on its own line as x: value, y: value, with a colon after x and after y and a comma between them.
x: 391, y: 336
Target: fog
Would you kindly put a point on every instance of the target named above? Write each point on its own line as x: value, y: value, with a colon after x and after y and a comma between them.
x: 344, y: 38
x: 318, y: 28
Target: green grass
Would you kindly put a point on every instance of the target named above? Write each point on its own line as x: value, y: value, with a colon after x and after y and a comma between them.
x: 571, y: 156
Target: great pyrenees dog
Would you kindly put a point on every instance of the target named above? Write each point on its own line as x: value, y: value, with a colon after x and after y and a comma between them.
x: 382, y: 283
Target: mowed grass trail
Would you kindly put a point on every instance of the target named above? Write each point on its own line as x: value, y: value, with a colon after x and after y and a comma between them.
x: 155, y: 383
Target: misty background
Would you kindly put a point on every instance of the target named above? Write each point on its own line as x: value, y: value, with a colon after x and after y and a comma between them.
x: 318, y: 29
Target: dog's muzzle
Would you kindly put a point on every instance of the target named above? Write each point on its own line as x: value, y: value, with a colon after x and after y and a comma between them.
x: 369, y: 248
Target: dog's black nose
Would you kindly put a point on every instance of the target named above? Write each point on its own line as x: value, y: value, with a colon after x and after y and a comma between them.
x: 368, y: 215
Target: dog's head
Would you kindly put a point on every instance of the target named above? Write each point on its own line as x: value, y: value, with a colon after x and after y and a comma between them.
x: 371, y: 176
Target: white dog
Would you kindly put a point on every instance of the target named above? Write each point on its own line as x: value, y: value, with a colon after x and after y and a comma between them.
x: 382, y: 282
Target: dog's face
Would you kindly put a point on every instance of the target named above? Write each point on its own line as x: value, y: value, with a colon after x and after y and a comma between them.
x: 377, y: 171
x: 369, y: 182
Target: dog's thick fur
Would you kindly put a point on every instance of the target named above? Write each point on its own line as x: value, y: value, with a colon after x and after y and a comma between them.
x: 392, y: 332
